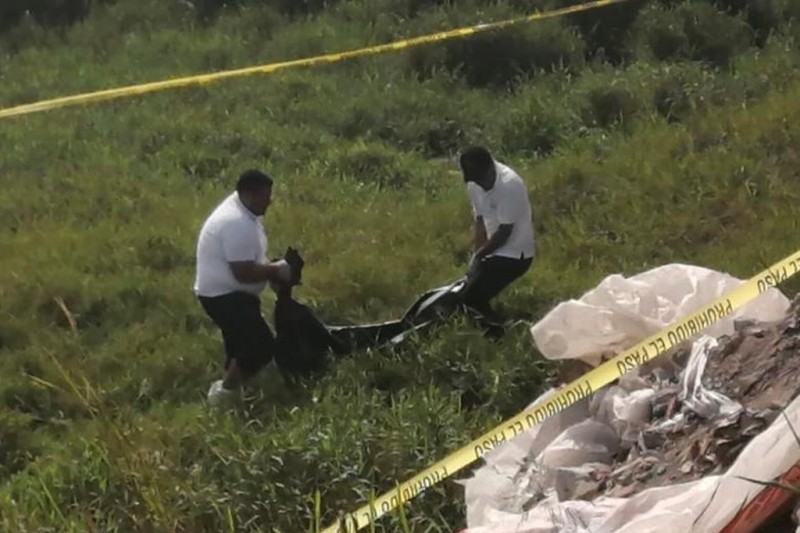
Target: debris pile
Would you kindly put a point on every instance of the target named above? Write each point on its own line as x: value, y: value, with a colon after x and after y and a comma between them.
x: 684, y: 417
x: 754, y: 374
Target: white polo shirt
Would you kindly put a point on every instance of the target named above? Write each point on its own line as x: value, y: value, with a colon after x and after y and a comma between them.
x: 505, y: 203
x: 231, y: 233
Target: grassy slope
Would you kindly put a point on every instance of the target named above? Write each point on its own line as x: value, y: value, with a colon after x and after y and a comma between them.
x: 100, y: 208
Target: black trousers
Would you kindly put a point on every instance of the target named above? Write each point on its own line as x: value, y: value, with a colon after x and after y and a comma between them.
x: 246, y: 336
x: 493, y: 275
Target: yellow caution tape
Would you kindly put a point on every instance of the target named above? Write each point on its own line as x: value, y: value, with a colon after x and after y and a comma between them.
x: 580, y: 388
x: 202, y: 79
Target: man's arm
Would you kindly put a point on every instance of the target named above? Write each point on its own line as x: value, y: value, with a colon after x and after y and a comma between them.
x: 480, y: 234
x: 239, y: 248
x: 511, y: 202
x: 498, y: 239
x: 252, y: 272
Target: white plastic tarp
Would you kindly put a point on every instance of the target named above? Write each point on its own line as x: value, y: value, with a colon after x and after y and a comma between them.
x: 620, y: 311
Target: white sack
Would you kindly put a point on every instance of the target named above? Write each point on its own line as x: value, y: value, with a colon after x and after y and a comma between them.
x: 621, y: 312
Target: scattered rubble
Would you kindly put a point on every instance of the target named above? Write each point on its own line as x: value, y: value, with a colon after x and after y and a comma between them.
x: 758, y: 367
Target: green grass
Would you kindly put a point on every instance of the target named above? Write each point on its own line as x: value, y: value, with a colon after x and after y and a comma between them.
x: 103, y: 425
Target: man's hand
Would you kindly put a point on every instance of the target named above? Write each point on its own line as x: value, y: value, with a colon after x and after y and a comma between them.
x: 479, y: 234
x: 498, y: 239
x: 286, y: 271
x: 283, y: 270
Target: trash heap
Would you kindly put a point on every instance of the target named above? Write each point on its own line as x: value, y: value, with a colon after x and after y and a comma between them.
x: 654, y: 450
x: 752, y: 376
x: 681, y: 427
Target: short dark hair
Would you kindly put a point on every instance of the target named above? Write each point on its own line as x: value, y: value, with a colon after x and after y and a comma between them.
x: 253, y: 180
x: 475, y: 160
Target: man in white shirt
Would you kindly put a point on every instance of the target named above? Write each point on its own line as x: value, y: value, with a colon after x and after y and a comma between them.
x: 232, y: 270
x: 504, y: 244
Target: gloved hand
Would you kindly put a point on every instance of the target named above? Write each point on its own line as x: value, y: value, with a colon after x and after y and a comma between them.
x: 296, y: 262
x: 290, y: 270
x: 284, y: 270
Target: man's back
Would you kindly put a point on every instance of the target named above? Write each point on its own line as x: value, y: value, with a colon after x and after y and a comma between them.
x: 506, y: 203
x: 231, y: 233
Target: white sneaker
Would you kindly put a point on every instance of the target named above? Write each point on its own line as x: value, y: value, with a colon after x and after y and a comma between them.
x: 218, y: 395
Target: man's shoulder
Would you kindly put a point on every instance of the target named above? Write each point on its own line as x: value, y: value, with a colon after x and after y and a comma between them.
x: 510, y: 178
x: 506, y: 173
x: 227, y: 214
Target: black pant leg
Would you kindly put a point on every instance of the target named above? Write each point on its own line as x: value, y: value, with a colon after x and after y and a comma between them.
x: 494, y: 274
x: 247, y: 337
